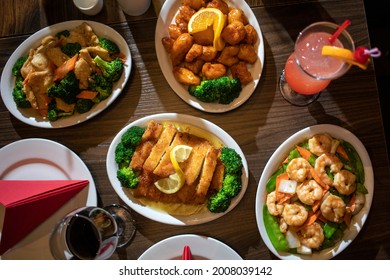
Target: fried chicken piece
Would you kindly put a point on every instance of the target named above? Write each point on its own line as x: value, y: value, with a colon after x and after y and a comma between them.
x: 213, y: 70
x: 194, y: 4
x: 167, y: 43
x: 195, y: 51
x: 251, y: 35
x: 247, y: 53
x: 237, y: 14
x: 185, y: 76
x: 209, y: 53
x: 240, y: 70
x: 180, y: 48
x: 185, y: 14
x: 208, y: 169
x: 216, y: 182
x: 82, y: 70
x: 219, y: 4
x: 195, y: 66
x: 56, y: 56
x: 228, y: 55
x: 175, y: 30
x: 234, y: 33
x: 204, y: 38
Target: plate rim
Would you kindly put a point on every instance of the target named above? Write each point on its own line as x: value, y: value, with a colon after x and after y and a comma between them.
x: 277, y: 157
x: 190, y: 240
x: 159, y: 216
x: 166, y: 66
x: 8, y: 81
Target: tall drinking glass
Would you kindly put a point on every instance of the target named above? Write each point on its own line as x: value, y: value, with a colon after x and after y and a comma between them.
x: 307, y: 72
x: 92, y: 233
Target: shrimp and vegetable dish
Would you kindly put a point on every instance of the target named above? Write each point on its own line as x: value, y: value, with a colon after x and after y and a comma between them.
x: 69, y: 72
x: 313, y: 196
x: 211, y: 46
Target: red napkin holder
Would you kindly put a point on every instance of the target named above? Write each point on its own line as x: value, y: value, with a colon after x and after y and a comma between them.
x: 28, y: 203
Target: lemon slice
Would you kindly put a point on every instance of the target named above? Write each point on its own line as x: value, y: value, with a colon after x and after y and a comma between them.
x: 343, y: 54
x: 205, y: 18
x: 175, y: 181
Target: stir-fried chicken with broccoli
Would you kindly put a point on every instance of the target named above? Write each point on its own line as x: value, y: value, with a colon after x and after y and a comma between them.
x: 68, y: 72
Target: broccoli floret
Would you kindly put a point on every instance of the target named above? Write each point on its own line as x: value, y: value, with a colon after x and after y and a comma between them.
x: 219, y: 202
x: 66, y: 89
x: 64, y: 33
x: 132, y: 137
x: 112, y: 70
x: 17, y: 66
x: 70, y: 49
x: 231, y: 184
x: 54, y: 114
x: 222, y: 90
x: 19, y: 95
x: 101, y: 85
x: 123, y: 154
x: 109, y: 45
x: 231, y: 160
x: 83, y: 105
x: 127, y: 177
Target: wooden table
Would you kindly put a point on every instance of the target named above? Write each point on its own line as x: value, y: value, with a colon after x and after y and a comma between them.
x: 259, y: 126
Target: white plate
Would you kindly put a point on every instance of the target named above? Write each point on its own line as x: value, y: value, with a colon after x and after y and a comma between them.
x: 274, y: 162
x: 30, y: 116
x: 202, y: 248
x: 160, y: 216
x: 166, y: 17
x: 42, y: 159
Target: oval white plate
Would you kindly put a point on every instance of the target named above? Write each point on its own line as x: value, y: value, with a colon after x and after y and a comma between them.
x: 166, y: 17
x: 280, y: 154
x: 30, y: 116
x: 42, y: 159
x: 159, y: 216
x: 202, y: 248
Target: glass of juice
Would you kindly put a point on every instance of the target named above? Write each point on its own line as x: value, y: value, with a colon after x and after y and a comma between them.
x: 307, y: 72
x: 92, y: 233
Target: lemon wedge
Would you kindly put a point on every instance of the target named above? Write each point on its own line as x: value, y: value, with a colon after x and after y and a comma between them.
x: 205, y: 18
x: 175, y: 181
x: 343, y: 54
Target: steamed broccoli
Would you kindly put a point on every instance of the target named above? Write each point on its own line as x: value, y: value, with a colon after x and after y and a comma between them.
x: 219, y: 202
x: 123, y: 154
x: 112, y: 70
x: 17, y: 66
x: 66, y: 89
x: 109, y: 45
x: 70, y: 49
x: 127, y: 177
x: 132, y: 137
x: 222, y: 90
x: 101, y: 85
x: 231, y: 160
x: 83, y: 105
x: 232, y: 184
x: 54, y: 113
x: 19, y: 95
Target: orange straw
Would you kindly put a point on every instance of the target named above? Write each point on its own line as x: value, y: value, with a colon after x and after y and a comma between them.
x: 339, y: 30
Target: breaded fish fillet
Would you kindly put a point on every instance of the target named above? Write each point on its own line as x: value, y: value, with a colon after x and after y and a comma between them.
x: 208, y: 168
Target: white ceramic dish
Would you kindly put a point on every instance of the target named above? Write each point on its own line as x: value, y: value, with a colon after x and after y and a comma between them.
x: 42, y: 159
x: 280, y: 154
x: 30, y: 116
x: 166, y: 17
x: 202, y: 248
x: 160, y: 216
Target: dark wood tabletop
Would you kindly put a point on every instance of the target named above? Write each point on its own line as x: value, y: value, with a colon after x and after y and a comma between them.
x: 259, y: 126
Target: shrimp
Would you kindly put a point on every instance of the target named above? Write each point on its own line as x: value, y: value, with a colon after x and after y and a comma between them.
x: 320, y: 143
x: 294, y: 214
x: 344, y: 182
x: 333, y: 208
x: 309, y: 191
x: 327, y: 160
x: 283, y: 226
x: 298, y: 170
x: 311, y: 236
x: 274, y: 208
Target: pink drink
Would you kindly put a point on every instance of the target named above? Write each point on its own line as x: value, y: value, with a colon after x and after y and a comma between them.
x: 318, y: 71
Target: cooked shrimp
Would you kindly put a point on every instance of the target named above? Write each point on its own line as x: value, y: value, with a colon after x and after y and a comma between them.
x: 298, y: 170
x: 311, y: 236
x: 309, y: 191
x: 283, y: 226
x: 327, y: 160
x: 333, y: 208
x: 320, y: 143
x: 344, y: 182
x: 274, y: 208
x: 294, y: 214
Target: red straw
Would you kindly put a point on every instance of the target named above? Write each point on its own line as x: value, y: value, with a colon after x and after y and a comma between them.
x: 341, y: 28
x: 186, y: 253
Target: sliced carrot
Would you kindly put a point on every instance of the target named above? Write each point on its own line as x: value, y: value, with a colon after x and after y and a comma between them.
x: 340, y: 150
x: 65, y: 68
x: 318, y: 179
x: 303, y: 152
x: 316, y: 205
x: 87, y: 94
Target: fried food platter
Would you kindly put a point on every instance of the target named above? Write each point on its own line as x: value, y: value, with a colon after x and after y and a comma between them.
x: 157, y: 214
x: 29, y: 116
x: 166, y: 17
